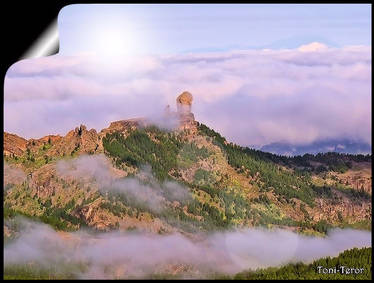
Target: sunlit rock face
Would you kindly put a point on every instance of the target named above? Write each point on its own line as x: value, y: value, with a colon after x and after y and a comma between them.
x: 186, y: 118
x: 184, y: 102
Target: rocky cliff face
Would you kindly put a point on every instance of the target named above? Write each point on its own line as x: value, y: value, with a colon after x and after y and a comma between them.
x: 14, y: 145
x: 359, y: 178
x: 124, y: 126
x: 184, y: 115
x: 78, y: 140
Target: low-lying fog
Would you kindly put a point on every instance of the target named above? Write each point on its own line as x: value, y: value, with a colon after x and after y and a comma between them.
x: 131, y: 254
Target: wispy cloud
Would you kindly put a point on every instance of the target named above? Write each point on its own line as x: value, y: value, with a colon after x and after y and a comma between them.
x: 143, y: 189
x: 13, y: 175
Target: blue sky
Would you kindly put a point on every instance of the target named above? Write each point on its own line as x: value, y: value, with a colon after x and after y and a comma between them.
x: 166, y: 28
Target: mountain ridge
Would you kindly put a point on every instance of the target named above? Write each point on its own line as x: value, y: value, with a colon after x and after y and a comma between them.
x: 133, y: 174
x: 81, y: 141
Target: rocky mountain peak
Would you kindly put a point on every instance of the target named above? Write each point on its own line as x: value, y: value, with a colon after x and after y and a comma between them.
x: 185, y: 98
x: 184, y: 102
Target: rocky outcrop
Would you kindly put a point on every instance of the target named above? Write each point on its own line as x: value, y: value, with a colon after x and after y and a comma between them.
x: 93, y: 215
x: 358, y: 178
x: 14, y: 145
x: 184, y: 118
x: 124, y: 126
x: 35, y: 144
x: 187, y: 122
x: 184, y: 115
x: 184, y: 102
x: 350, y: 211
x: 80, y: 140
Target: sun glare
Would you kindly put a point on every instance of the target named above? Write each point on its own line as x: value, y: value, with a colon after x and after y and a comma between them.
x: 112, y: 41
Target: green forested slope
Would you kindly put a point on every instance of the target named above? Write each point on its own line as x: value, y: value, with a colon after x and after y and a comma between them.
x: 230, y: 185
x: 354, y: 258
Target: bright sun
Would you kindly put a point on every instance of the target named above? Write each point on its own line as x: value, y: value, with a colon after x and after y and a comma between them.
x: 115, y: 42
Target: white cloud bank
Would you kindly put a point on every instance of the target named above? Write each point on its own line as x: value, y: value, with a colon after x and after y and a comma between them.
x: 253, y: 97
x: 110, y: 255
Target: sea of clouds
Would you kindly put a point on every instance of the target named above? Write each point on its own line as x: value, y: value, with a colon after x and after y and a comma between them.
x: 253, y: 97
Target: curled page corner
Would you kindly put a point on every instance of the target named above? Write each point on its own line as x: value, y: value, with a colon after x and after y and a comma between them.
x: 46, y: 44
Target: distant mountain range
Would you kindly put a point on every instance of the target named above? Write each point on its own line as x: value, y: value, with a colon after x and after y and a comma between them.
x: 341, y: 146
x: 286, y: 43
